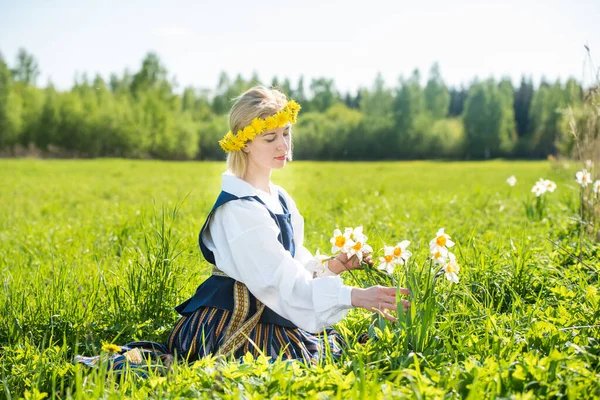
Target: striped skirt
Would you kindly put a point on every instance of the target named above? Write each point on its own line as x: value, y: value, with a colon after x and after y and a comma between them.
x: 203, y: 332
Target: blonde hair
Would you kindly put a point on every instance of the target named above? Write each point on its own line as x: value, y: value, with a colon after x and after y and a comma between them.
x: 256, y: 102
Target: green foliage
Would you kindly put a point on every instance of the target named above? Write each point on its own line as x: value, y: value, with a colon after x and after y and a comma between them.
x: 489, y: 120
x: 140, y: 114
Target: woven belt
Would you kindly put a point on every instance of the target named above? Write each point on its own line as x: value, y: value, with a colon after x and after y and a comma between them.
x: 239, y: 327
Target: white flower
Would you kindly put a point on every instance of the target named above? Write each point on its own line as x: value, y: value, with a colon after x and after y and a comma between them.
x: 596, y: 187
x: 340, y: 242
x: 357, y: 242
x: 550, y: 186
x: 358, y: 249
x: 440, y: 255
x: 538, y: 189
x: 452, y: 268
x: 400, y: 253
x: 583, y: 177
x: 356, y: 234
x: 589, y: 164
x: 512, y: 181
x: 318, y: 264
x: 441, y: 240
x: 388, y: 261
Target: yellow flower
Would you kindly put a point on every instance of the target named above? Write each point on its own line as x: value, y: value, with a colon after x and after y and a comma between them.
x: 111, y: 348
x: 237, y: 142
x: 258, y: 125
x: 248, y: 133
x: 270, y: 123
x: 293, y: 108
x: 282, y: 118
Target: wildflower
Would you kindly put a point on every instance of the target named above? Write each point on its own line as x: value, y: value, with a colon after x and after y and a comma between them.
x: 538, y: 189
x: 442, y: 240
x: 339, y: 241
x: 111, y: 348
x: 388, y: 261
x: 258, y: 125
x: 440, y: 255
x: 596, y: 187
x: 318, y: 263
x: 356, y: 234
x: 401, y: 254
x: 358, y: 244
x: 248, y: 133
x: 550, y: 186
x: 583, y: 178
x: 452, y: 268
x: 512, y: 181
x: 589, y: 164
x: 270, y: 123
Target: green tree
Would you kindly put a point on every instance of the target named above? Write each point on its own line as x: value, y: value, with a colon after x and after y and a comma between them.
x: 408, y: 109
x: 324, y: 94
x: 489, y: 121
x: 437, y: 97
x: 378, y: 102
x: 522, y: 103
x: 10, y: 109
x: 27, y: 70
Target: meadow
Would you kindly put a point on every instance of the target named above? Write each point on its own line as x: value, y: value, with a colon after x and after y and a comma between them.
x: 100, y: 251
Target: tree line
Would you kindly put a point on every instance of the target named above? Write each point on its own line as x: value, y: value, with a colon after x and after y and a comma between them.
x: 142, y: 115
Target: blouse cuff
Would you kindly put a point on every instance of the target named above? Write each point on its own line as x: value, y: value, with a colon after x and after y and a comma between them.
x: 345, y: 296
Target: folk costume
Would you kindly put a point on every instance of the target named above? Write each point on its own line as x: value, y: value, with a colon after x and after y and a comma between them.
x: 267, y: 294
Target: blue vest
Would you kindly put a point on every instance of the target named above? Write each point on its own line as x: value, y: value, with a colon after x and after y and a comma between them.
x: 217, y: 291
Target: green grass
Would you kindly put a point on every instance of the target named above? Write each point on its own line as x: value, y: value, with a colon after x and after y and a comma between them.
x: 101, y: 251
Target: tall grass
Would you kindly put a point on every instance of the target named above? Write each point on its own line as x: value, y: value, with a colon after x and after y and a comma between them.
x: 101, y: 251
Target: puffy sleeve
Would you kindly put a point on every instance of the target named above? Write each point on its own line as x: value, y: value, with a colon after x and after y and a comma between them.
x: 243, y: 237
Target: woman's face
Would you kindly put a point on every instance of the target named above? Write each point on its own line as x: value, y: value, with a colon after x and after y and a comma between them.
x: 270, y: 149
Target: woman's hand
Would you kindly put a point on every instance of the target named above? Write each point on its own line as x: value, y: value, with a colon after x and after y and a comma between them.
x: 379, y: 299
x: 342, y: 263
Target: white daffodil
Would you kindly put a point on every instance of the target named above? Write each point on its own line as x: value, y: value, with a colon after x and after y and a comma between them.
x: 441, y: 240
x: 401, y: 254
x: 358, y: 249
x: 596, y: 187
x: 583, y: 177
x: 550, y: 186
x: 512, y: 181
x: 318, y: 263
x: 356, y: 234
x: 440, y: 255
x: 452, y: 268
x: 538, y: 189
x: 340, y: 242
x: 589, y: 164
x: 388, y: 261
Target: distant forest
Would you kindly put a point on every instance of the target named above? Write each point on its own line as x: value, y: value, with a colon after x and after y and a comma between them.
x: 141, y: 115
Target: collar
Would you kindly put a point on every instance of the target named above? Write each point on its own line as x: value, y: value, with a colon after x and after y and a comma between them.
x: 240, y: 188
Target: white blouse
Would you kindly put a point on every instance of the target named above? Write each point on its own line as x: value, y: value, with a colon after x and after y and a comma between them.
x: 243, y: 237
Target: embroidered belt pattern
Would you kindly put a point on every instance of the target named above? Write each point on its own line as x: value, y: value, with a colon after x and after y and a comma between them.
x: 239, y: 327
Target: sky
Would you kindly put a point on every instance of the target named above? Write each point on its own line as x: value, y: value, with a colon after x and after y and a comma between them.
x: 347, y: 41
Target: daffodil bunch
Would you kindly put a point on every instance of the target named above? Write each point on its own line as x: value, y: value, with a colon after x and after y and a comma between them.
x: 438, y: 247
x: 416, y: 326
x: 352, y: 242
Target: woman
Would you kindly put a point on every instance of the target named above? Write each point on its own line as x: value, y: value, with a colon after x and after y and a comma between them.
x: 264, y: 295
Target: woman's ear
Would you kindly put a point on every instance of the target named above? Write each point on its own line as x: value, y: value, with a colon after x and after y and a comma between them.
x: 246, y: 150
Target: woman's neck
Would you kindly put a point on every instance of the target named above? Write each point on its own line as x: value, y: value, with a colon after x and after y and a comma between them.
x: 260, y: 179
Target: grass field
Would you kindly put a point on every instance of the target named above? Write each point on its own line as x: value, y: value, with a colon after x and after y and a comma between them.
x: 100, y: 251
